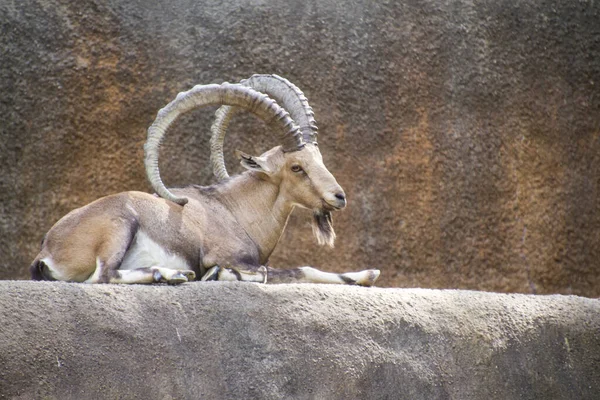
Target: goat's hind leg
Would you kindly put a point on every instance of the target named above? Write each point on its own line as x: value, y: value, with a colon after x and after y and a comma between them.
x: 112, y: 247
x: 152, y: 275
x: 313, y: 275
x: 143, y: 276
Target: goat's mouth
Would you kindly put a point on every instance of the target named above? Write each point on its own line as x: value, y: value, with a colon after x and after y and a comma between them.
x: 326, y: 206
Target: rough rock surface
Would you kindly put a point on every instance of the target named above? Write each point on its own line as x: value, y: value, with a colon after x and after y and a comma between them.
x: 466, y: 134
x: 232, y: 340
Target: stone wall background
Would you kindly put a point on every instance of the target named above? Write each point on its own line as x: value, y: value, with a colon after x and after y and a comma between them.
x: 466, y: 134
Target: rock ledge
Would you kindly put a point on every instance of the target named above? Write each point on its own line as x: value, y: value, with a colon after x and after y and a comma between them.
x: 233, y: 340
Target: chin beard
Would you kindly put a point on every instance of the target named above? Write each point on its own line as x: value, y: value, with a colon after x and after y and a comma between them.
x: 322, y: 227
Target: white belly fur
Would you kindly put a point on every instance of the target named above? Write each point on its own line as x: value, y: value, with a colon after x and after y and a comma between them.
x: 145, y: 253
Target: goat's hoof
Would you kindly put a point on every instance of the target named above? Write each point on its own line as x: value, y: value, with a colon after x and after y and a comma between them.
x: 157, y: 276
x: 370, y: 276
x: 212, y: 274
x: 190, y: 275
x: 177, y: 278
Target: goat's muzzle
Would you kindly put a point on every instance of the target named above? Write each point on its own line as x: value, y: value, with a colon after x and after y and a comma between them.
x: 337, y: 202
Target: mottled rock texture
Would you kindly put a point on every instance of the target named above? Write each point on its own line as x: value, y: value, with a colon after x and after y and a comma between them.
x: 466, y: 134
x: 220, y: 340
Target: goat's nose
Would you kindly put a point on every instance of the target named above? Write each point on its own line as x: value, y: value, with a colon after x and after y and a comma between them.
x: 341, y: 198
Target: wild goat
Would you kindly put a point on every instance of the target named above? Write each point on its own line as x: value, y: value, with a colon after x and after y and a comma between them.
x: 226, y: 231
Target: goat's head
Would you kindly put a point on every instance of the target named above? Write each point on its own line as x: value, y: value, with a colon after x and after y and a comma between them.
x: 296, y: 166
x: 314, y: 187
x: 304, y: 181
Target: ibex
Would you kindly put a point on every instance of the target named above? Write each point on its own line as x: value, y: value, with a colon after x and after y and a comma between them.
x: 226, y: 231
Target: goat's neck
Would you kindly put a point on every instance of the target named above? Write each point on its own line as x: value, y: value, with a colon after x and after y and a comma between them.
x: 260, y: 209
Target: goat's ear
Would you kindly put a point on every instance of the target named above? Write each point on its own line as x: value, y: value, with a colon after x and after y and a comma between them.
x: 253, y: 163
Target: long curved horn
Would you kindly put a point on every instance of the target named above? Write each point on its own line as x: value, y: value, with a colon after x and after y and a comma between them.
x: 219, y: 127
x: 285, y: 93
x: 209, y: 95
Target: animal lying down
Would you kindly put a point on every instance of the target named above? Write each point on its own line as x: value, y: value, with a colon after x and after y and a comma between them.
x: 226, y: 231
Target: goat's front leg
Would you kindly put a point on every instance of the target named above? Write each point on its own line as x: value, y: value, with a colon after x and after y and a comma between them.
x: 313, y: 275
x: 294, y: 275
x: 238, y: 273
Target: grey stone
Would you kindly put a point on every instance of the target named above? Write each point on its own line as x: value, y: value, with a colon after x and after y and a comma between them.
x: 219, y: 340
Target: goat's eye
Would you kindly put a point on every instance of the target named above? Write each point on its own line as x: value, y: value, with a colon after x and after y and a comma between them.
x: 296, y: 168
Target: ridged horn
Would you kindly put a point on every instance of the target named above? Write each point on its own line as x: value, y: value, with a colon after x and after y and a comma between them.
x: 285, y: 93
x: 235, y: 95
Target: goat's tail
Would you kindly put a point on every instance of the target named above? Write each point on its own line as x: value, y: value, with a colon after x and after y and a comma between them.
x: 39, y: 271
